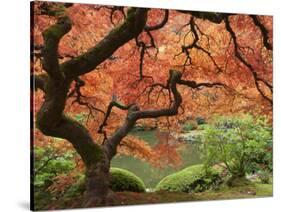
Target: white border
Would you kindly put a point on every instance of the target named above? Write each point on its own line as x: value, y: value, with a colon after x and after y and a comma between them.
x: 14, y: 111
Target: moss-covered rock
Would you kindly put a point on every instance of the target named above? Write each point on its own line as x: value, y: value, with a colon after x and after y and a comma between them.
x: 191, y: 179
x: 121, y: 180
x: 124, y: 180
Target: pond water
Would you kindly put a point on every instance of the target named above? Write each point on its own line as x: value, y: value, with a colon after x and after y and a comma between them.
x: 150, y: 174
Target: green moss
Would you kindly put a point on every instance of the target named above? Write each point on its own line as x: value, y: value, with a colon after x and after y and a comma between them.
x: 132, y: 198
x: 53, y: 31
x: 91, y: 152
x: 58, y: 30
x: 123, y: 180
x: 55, y: 10
x: 191, y: 179
x: 238, y: 181
x: 131, y: 12
x: 263, y: 190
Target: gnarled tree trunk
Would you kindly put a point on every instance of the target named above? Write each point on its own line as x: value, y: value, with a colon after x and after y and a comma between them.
x: 97, y: 184
x: 52, y: 121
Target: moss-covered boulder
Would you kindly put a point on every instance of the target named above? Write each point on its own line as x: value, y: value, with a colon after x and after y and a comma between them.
x: 191, y: 179
x: 121, y: 180
x: 124, y: 180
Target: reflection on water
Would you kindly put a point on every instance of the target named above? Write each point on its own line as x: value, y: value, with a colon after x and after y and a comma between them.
x: 150, y: 174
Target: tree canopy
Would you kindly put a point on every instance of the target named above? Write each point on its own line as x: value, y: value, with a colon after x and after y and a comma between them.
x: 100, y: 70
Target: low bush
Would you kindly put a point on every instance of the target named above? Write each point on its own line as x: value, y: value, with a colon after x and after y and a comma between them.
x: 191, y: 179
x: 243, y: 143
x: 265, y: 177
x: 202, y: 127
x: 200, y: 120
x: 121, y: 180
x: 190, y: 125
x: 124, y: 180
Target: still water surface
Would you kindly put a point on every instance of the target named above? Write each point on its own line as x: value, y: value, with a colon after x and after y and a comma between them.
x: 148, y: 173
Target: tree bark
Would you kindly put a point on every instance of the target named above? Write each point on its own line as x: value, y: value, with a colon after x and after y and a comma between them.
x: 98, y: 192
x: 52, y: 121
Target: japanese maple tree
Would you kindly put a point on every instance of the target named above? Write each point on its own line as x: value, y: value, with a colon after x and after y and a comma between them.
x: 113, y: 67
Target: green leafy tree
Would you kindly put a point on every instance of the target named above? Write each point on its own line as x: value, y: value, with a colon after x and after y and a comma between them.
x: 237, y: 142
x: 49, y: 163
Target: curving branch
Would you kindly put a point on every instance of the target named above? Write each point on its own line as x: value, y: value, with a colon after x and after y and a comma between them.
x: 131, y: 28
x: 76, y: 93
x: 113, y: 10
x: 143, y: 49
x: 50, y: 119
x: 134, y: 114
x: 264, y: 32
x: 214, y: 17
x: 239, y: 56
x: 52, y: 8
x: 194, y: 44
x: 112, y: 104
x: 195, y: 85
x: 52, y: 37
x: 160, y: 25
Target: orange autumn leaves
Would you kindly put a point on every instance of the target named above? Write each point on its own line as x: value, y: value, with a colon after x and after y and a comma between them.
x: 119, y: 74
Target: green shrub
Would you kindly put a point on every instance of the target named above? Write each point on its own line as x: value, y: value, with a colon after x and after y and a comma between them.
x: 49, y: 163
x: 121, y: 180
x: 191, y: 179
x: 202, y: 127
x: 124, y: 180
x: 237, y: 142
x: 200, y: 120
x: 190, y: 125
x: 265, y: 177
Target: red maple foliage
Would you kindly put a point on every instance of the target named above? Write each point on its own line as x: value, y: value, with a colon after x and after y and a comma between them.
x: 224, y: 62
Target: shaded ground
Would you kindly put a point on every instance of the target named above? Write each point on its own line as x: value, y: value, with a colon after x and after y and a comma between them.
x: 132, y: 198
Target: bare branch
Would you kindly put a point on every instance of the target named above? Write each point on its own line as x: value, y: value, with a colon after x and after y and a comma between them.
x: 195, y: 85
x: 263, y: 30
x: 143, y: 49
x: 108, y: 112
x: 134, y: 114
x: 186, y: 48
x: 80, y: 83
x: 160, y: 25
x: 131, y: 27
x: 216, y: 18
x: 248, y: 65
x: 45, y: 164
